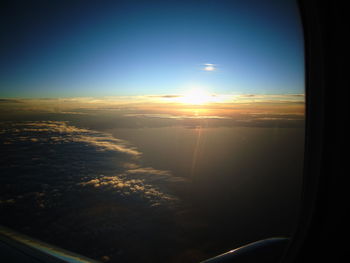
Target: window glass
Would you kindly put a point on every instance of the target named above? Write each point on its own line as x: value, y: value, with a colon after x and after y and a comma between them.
x: 151, y: 131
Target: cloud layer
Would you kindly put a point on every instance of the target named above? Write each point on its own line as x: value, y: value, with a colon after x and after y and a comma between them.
x: 252, y: 110
x: 88, y: 192
x: 74, y: 149
x: 95, y: 194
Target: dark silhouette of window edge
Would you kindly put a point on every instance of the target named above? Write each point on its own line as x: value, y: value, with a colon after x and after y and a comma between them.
x: 320, y: 229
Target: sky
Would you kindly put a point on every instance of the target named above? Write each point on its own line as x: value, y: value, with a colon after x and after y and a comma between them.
x: 56, y: 49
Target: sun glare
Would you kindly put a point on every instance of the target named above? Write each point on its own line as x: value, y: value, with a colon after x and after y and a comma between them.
x: 196, y: 96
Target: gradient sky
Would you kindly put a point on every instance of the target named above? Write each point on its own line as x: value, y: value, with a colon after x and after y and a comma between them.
x: 101, y: 48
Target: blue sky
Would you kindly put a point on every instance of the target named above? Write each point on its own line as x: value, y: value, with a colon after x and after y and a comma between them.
x: 101, y: 48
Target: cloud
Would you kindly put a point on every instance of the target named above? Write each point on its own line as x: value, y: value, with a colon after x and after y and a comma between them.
x: 91, y: 189
x: 271, y: 98
x: 174, y: 116
x: 209, y: 67
x: 149, y: 170
x: 60, y: 132
x: 107, y: 143
x: 156, y: 111
x: 79, y: 105
x: 10, y: 101
x: 137, y: 188
x: 165, y: 96
x: 57, y: 156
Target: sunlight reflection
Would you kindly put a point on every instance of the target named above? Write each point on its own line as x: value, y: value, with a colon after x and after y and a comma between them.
x: 198, y: 130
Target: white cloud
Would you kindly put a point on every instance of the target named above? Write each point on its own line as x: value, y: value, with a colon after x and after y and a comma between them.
x: 136, y: 187
x: 209, y: 67
x: 59, y: 131
x: 78, y: 158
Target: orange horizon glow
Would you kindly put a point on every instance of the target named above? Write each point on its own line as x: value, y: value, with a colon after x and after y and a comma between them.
x: 196, y: 103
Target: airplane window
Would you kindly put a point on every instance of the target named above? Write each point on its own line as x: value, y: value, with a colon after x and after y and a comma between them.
x: 151, y: 131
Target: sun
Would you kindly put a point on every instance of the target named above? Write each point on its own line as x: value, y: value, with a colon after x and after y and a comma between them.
x: 196, y: 96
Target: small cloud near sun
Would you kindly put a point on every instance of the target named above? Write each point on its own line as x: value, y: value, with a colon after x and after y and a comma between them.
x: 209, y: 67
